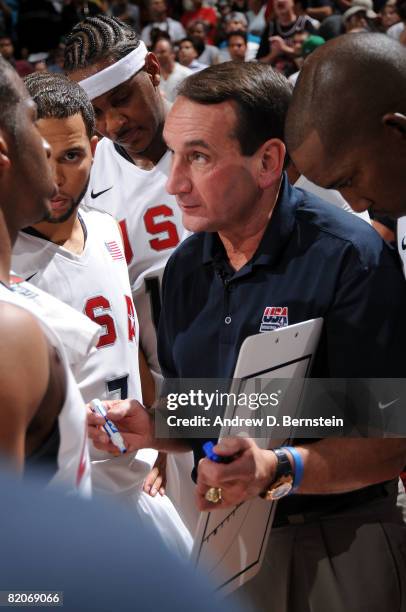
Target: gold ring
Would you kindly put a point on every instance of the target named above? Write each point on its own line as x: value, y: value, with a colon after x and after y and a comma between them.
x: 213, y: 495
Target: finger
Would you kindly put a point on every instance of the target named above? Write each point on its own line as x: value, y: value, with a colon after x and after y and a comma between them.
x: 156, y: 486
x: 150, y: 479
x: 162, y: 491
x: 231, y: 446
x: 120, y: 409
x: 96, y: 420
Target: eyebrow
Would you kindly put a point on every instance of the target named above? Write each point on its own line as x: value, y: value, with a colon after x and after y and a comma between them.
x: 197, y: 143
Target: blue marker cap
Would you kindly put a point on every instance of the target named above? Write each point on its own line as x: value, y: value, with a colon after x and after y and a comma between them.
x: 210, y: 454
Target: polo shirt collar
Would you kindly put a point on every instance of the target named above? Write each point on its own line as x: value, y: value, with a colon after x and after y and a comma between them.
x: 274, y: 239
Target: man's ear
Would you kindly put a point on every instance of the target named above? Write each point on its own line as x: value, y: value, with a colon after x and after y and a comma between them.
x: 93, y: 144
x: 152, y: 68
x: 271, y: 157
x: 396, y: 121
x: 4, y: 153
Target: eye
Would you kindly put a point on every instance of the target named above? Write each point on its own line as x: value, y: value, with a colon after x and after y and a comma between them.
x: 198, y: 157
x: 121, y: 100
x: 345, y: 184
x: 71, y: 156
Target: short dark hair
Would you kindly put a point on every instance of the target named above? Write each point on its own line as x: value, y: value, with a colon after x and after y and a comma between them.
x: 58, y: 97
x: 9, y: 98
x: 191, y: 40
x: 239, y: 33
x: 98, y: 38
x: 260, y: 94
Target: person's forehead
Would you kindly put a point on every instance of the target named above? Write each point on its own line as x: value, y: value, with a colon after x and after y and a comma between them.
x: 189, y: 121
x: 64, y: 131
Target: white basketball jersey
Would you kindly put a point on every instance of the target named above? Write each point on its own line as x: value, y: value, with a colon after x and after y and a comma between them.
x: 96, y: 284
x: 73, y: 458
x: 401, y: 235
x: 151, y: 224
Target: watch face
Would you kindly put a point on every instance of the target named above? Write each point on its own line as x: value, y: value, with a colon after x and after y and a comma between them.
x: 280, y: 491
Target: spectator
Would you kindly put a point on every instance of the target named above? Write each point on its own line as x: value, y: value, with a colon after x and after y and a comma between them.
x: 188, y: 54
x: 127, y: 12
x: 237, y: 46
x: 172, y: 73
x: 237, y: 22
x: 388, y: 15
x: 22, y: 67
x: 202, y: 13
x: 310, y: 44
x: 256, y: 17
x: 397, y: 30
x: 355, y: 19
x: 209, y: 54
x: 277, y: 38
x: 224, y: 9
x: 158, y: 13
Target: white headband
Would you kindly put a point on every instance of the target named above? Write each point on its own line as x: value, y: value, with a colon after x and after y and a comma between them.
x: 108, y: 78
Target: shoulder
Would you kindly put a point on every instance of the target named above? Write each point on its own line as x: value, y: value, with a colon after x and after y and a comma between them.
x: 187, y: 257
x: 339, y: 228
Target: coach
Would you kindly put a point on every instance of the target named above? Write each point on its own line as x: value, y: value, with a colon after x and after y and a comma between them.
x: 258, y: 243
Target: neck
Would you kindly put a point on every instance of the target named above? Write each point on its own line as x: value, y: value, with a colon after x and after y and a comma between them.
x: 287, y: 17
x: 148, y: 159
x: 7, y: 239
x: 242, y: 242
x: 167, y: 69
x: 160, y: 18
x: 68, y: 234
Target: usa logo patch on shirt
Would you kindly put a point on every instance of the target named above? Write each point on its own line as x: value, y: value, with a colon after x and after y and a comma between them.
x: 273, y: 318
x: 114, y: 249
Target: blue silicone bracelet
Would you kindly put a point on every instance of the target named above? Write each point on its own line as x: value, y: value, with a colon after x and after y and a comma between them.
x: 298, y: 468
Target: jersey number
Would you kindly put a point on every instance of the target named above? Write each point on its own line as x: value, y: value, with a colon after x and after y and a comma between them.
x: 98, y: 309
x: 153, y: 227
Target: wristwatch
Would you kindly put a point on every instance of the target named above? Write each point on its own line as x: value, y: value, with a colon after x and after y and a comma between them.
x: 283, y: 481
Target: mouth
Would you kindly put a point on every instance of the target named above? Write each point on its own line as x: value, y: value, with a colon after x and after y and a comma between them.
x: 128, y: 136
x: 59, y: 203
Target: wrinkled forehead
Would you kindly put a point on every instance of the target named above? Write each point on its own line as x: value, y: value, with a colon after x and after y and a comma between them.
x: 192, y: 121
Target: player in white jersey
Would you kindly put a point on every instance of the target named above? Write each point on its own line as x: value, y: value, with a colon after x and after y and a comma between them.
x: 41, y: 410
x: 78, y: 255
x: 128, y: 179
x: 131, y: 164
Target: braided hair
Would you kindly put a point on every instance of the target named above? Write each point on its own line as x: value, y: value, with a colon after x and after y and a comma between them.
x: 98, y: 38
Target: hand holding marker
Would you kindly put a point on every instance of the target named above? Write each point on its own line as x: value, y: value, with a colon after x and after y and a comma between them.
x: 111, y: 430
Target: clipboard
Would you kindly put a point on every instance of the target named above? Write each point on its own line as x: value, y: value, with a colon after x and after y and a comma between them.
x: 230, y: 544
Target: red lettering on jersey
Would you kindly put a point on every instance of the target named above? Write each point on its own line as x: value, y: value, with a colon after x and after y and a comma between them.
x: 159, y: 244
x: 131, y: 318
x: 128, y: 252
x: 92, y: 309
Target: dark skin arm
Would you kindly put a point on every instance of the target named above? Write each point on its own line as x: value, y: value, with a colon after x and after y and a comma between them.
x: 33, y: 385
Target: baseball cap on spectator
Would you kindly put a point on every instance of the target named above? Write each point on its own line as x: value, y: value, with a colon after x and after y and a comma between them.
x: 359, y: 6
x: 311, y: 43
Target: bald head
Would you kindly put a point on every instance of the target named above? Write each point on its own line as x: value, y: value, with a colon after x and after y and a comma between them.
x: 344, y: 90
x: 346, y: 125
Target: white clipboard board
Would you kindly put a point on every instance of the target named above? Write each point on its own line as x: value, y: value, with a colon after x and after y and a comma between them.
x: 230, y: 544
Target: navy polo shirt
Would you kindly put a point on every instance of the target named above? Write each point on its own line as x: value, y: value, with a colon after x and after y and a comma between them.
x: 314, y: 260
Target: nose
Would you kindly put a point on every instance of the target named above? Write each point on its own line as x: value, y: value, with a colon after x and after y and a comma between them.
x: 113, y: 122
x: 178, y: 181
x: 357, y: 202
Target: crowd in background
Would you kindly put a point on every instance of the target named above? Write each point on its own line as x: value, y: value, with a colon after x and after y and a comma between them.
x: 188, y: 35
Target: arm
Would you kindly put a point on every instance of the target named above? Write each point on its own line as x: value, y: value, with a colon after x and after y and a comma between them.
x: 24, y: 367
x: 330, y: 466
x: 319, y: 12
